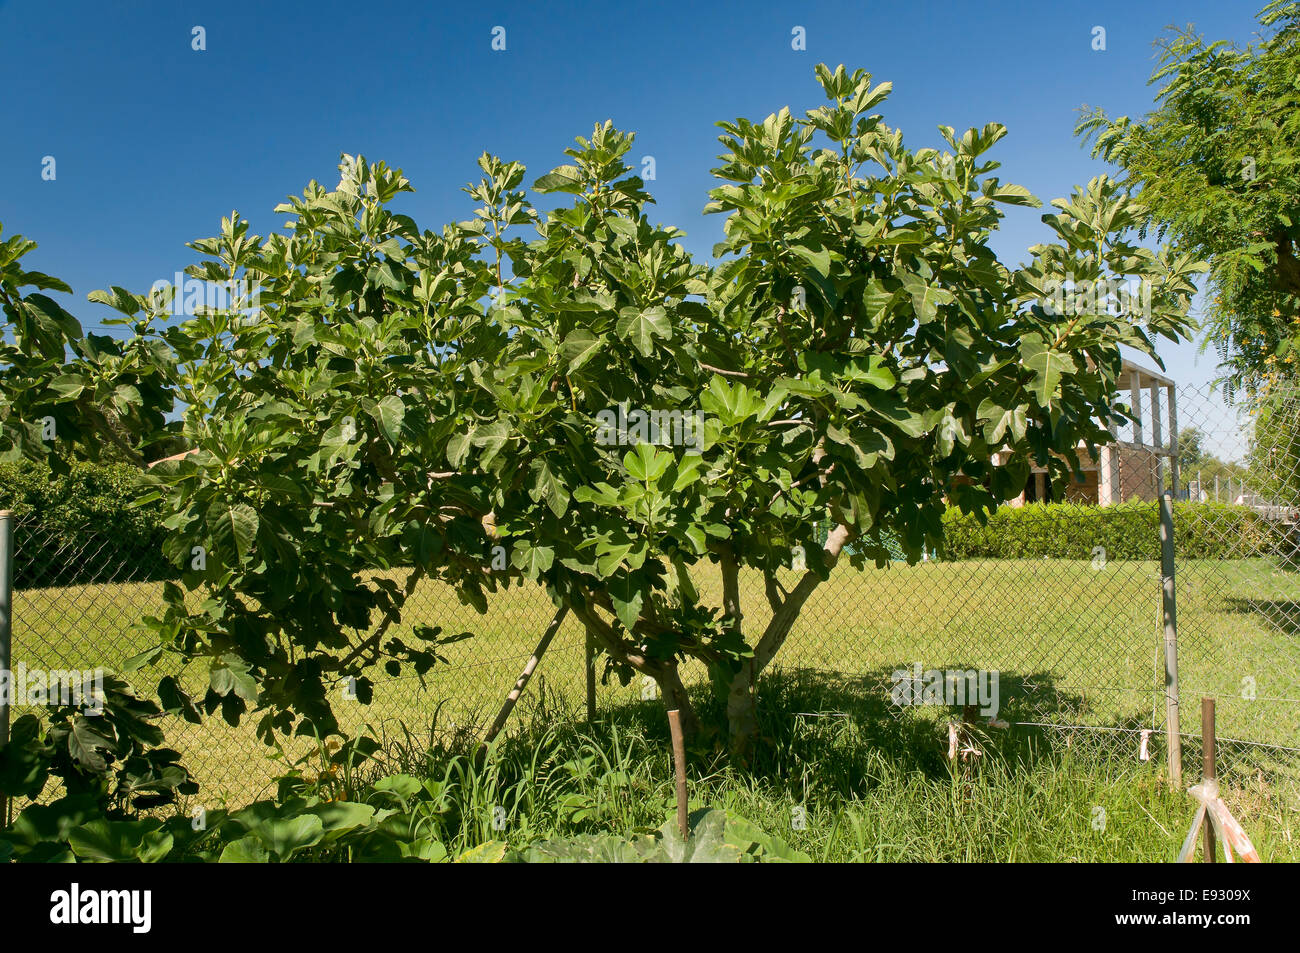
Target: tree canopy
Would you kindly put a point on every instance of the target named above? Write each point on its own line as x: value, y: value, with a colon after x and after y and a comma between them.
x: 572, y: 387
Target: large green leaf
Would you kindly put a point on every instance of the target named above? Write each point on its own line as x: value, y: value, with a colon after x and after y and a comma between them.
x: 1002, y: 422
x: 580, y: 346
x: 628, y: 597
x: 231, y: 673
x: 565, y: 178
x: 642, y: 326
x: 234, y: 529
x: 286, y: 836
x: 489, y: 852
x: 1048, y: 365
x: 88, y: 740
x: 389, y: 414
x: 646, y: 463
x: 532, y: 560
x: 105, y: 841
x: 926, y: 297
x: 548, y: 486
x: 340, y: 818
x: 246, y: 850
x: 816, y: 256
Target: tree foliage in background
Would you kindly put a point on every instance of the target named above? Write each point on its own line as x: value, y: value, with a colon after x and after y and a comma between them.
x: 1196, y: 462
x: 66, y: 394
x: 1217, y: 165
x: 1274, y: 452
x: 57, y: 513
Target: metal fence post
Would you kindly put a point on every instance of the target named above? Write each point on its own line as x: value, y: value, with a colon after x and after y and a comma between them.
x: 1208, y: 770
x: 6, y: 632
x: 1174, y: 737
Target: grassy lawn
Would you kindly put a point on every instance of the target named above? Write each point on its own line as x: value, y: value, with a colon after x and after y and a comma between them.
x: 838, y: 789
x: 1074, y: 645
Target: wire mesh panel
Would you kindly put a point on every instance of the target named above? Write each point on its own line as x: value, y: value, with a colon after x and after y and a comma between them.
x: 1062, y: 600
x: 1061, y: 643
x: 1239, y: 585
x: 81, y: 594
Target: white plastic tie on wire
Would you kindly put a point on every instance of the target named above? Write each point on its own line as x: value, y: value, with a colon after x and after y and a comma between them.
x: 1144, y: 753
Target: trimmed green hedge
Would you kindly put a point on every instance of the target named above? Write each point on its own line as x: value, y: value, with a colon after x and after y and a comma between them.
x: 1125, y: 530
x: 81, y: 527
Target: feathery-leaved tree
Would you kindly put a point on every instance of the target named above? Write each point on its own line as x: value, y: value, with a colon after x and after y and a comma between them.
x: 1217, y: 167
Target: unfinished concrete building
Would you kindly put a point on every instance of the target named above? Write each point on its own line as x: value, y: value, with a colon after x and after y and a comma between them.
x: 1141, y: 459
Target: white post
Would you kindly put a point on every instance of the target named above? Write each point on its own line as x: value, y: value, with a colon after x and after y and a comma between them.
x: 1173, y: 437
x: 1105, y: 488
x: 1157, y: 441
x: 1135, y: 389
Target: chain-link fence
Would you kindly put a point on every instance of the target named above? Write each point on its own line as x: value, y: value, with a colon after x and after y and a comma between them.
x: 80, y: 596
x: 1239, y: 604
x: 1062, y: 604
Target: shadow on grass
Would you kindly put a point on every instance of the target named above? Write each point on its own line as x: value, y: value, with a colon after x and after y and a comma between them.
x: 824, y: 729
x: 1282, y: 614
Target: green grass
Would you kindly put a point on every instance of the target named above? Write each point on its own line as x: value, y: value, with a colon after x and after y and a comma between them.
x: 838, y: 789
x: 1075, y: 645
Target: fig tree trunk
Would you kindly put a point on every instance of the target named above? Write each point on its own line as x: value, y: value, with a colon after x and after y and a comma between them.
x: 742, y: 715
x: 675, y: 697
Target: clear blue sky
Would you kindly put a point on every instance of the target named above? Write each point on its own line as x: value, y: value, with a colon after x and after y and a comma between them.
x: 154, y: 141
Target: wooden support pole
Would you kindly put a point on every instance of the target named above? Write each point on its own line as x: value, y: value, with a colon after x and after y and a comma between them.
x: 522, y: 682
x: 1208, y: 770
x: 679, y: 769
x: 590, y: 661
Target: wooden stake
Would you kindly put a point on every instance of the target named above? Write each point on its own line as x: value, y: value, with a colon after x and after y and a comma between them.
x: 522, y: 682
x: 591, y: 678
x: 679, y: 768
x: 1208, y: 770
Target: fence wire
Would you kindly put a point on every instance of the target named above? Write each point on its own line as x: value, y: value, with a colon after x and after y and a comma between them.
x: 1067, y: 614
